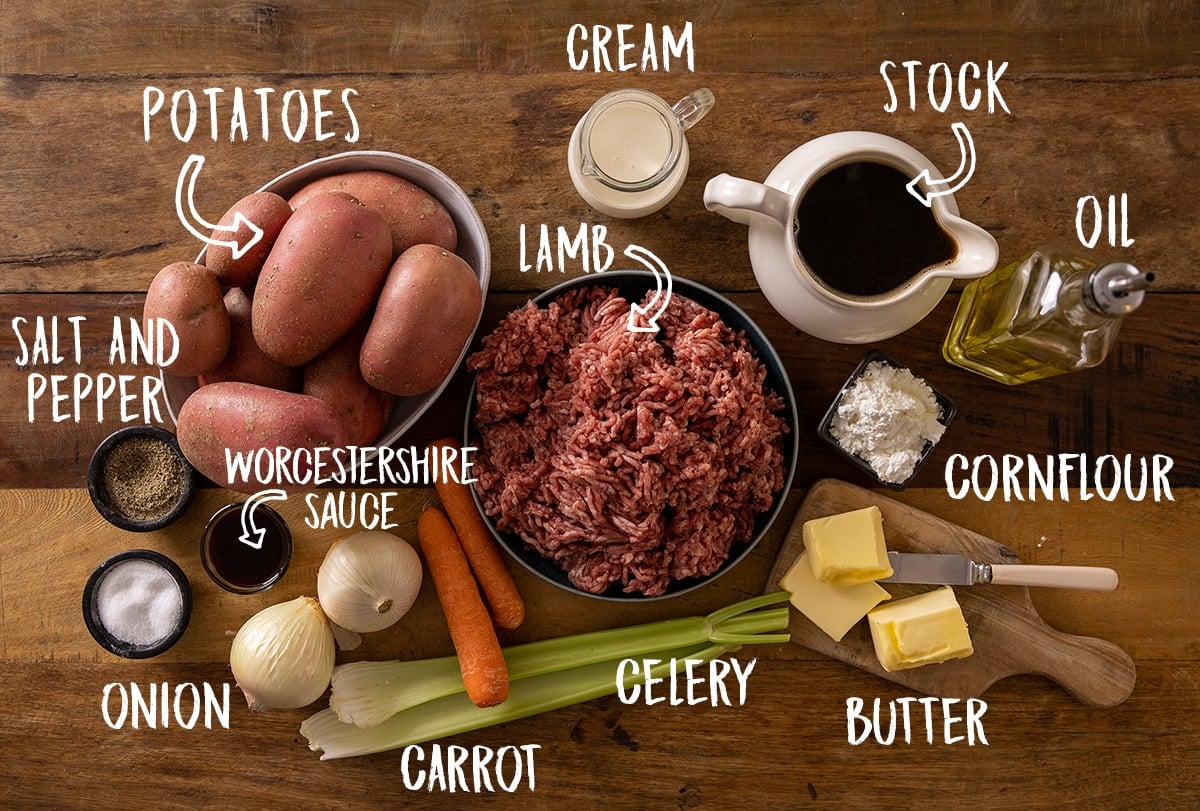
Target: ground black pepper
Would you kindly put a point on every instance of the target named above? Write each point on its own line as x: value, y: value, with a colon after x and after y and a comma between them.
x: 143, y: 478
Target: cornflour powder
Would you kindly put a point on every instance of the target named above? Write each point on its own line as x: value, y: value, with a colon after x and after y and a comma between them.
x: 885, y: 417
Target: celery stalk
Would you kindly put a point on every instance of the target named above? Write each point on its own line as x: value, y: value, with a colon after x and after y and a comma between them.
x: 455, y: 713
x: 368, y: 693
x: 550, y: 675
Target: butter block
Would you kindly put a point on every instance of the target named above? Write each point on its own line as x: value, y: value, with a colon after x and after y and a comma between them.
x: 920, y: 630
x: 848, y: 548
x: 833, y: 609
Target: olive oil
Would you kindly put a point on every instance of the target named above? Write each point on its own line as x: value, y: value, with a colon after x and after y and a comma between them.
x: 1044, y: 315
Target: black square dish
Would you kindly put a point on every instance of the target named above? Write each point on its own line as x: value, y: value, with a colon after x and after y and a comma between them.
x: 947, y: 412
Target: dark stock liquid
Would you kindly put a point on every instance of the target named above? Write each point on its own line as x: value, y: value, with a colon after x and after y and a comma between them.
x: 861, y: 232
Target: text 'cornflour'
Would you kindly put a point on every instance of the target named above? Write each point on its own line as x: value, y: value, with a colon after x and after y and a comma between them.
x: 1063, y: 476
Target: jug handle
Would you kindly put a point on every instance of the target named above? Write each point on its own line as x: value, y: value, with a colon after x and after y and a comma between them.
x: 744, y: 200
x: 978, y: 252
x: 693, y: 107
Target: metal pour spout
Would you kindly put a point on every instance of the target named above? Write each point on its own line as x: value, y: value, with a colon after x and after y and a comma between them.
x: 1117, y: 288
x: 1128, y: 284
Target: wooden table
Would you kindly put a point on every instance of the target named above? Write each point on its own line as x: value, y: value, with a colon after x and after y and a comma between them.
x: 1103, y: 102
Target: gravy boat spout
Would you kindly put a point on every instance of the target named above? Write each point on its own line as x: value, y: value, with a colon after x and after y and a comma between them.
x: 977, y: 249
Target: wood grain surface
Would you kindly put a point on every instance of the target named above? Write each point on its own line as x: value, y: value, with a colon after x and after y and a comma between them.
x: 52, y: 675
x: 1104, y: 100
x: 1131, y: 405
x: 773, y: 37
x: 515, y: 167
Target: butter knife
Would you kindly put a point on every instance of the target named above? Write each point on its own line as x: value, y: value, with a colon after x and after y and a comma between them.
x: 959, y: 570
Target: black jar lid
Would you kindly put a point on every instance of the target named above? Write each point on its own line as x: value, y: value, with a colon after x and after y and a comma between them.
x: 109, y: 640
x: 109, y: 507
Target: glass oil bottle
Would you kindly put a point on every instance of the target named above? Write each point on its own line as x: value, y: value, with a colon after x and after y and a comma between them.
x: 1046, y: 314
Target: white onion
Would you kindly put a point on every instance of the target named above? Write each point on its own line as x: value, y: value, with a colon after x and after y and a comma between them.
x: 283, y: 656
x: 368, y: 581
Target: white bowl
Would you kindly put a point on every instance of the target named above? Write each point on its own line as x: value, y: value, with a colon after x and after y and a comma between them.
x: 473, y: 247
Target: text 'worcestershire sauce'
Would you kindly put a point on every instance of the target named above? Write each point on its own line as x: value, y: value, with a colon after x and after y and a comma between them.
x: 862, y: 233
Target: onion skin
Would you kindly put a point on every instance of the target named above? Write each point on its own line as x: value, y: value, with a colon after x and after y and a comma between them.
x: 283, y: 656
x: 369, y: 580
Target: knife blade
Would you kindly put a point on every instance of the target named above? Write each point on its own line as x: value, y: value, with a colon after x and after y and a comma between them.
x: 960, y: 570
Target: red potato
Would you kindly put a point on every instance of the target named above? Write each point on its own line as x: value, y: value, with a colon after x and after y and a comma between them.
x: 245, y: 362
x: 414, y: 215
x: 266, y: 210
x: 426, y: 313
x: 189, y: 297
x: 334, y: 377
x: 321, y: 278
x: 247, y: 419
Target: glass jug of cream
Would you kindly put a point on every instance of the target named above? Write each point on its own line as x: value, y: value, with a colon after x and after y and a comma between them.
x: 628, y: 155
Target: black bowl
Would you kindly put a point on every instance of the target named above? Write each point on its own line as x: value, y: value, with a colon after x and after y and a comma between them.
x: 99, y: 492
x: 632, y: 285
x: 113, y: 644
x: 946, y: 405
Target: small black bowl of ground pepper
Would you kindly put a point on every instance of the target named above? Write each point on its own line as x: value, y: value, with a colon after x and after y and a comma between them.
x: 139, y: 480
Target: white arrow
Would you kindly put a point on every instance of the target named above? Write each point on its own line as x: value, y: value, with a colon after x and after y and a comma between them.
x: 662, y: 292
x: 252, y: 536
x: 188, y: 175
x: 966, y: 168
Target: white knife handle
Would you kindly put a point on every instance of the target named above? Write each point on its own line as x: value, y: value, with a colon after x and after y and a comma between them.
x: 1089, y: 578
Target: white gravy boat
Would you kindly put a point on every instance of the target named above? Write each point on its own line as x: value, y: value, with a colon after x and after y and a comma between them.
x: 793, y: 289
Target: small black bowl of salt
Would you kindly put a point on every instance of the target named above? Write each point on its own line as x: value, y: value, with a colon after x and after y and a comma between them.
x: 137, y: 604
x: 139, y: 480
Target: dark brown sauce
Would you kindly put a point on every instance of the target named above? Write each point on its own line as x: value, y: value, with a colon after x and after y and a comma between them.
x: 862, y: 233
x: 239, y: 564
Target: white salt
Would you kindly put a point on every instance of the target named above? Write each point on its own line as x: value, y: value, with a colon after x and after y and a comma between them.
x: 139, y: 602
x: 885, y: 418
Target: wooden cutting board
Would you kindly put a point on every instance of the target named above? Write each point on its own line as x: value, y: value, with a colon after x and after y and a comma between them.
x: 1008, y: 634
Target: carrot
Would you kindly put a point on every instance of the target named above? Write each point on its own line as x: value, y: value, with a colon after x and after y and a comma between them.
x: 484, y: 672
x: 487, y: 561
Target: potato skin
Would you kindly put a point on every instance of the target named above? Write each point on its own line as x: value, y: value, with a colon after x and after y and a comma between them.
x: 321, y: 277
x: 244, y: 417
x: 189, y: 297
x: 245, y: 361
x: 269, y: 212
x: 414, y: 215
x: 426, y: 313
x: 334, y: 377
